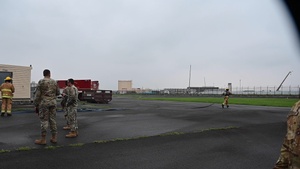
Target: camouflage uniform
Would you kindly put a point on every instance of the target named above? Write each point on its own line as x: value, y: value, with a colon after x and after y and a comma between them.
x: 290, y: 151
x: 72, y: 104
x: 45, y: 100
x: 65, y: 97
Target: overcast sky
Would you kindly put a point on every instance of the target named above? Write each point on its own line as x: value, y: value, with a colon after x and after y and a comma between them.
x: 153, y: 42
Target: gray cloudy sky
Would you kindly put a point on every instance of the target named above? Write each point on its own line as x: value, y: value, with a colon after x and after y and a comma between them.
x: 152, y: 42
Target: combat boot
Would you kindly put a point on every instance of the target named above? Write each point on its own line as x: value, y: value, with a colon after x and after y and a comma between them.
x: 41, y: 141
x: 53, y: 138
x: 222, y: 105
x: 72, y: 134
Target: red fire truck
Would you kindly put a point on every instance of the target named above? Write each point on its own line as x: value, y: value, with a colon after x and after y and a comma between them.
x: 88, y: 90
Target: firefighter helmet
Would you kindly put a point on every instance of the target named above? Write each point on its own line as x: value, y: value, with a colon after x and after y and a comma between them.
x: 7, y: 78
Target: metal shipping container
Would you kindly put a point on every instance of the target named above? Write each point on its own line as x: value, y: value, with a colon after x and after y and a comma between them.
x: 21, y: 76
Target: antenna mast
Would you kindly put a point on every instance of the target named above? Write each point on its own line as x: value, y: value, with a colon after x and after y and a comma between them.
x: 190, y: 78
x: 283, y: 80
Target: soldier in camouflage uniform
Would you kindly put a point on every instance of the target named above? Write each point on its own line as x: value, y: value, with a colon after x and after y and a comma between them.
x: 45, y: 101
x: 290, y: 151
x: 72, y: 104
x: 65, y: 96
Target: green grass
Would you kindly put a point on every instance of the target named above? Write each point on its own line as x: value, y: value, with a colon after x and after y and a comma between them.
x: 24, y: 148
x: 274, y: 102
x: 4, y: 151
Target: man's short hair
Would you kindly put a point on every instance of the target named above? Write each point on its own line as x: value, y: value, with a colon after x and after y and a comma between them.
x: 46, y: 72
x: 71, y: 80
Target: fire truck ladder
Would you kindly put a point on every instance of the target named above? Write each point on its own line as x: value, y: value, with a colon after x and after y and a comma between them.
x: 283, y: 80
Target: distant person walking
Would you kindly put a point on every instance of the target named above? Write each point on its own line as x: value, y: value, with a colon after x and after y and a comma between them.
x: 289, y: 157
x: 7, y: 89
x: 72, y: 104
x: 226, y: 95
x: 45, y: 101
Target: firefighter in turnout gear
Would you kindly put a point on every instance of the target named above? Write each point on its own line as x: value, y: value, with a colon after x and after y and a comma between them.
x: 7, y: 89
x: 226, y: 95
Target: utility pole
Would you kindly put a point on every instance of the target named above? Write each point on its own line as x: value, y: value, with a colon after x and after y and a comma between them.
x: 190, y: 79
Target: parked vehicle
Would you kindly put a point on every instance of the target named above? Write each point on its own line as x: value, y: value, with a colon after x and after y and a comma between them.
x: 88, y: 90
x: 97, y: 96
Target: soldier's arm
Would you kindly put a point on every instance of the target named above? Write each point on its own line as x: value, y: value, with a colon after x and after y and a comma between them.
x: 56, y: 88
x: 283, y: 160
x: 72, y: 96
x: 37, y: 98
x: 64, y: 97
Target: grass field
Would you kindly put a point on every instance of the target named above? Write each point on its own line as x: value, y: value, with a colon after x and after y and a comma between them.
x: 274, y: 102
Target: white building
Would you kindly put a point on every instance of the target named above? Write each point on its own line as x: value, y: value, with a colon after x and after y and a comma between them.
x: 124, y: 86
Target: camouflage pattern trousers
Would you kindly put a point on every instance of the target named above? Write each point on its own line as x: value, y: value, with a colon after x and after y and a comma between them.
x: 66, y: 110
x: 72, y: 117
x: 47, y: 115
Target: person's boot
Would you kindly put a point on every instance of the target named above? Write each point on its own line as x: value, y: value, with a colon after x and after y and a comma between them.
x: 53, y: 138
x: 67, y: 127
x: 72, y: 134
x: 2, y: 114
x: 8, y: 114
x: 41, y: 141
x: 222, y: 105
x: 227, y: 106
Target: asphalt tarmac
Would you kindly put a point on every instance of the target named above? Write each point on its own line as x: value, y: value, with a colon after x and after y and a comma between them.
x: 136, y: 134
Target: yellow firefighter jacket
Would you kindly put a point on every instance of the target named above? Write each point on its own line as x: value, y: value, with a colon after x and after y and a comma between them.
x: 7, y: 90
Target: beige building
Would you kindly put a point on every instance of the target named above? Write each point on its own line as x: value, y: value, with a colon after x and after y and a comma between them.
x: 124, y: 86
x: 21, y: 77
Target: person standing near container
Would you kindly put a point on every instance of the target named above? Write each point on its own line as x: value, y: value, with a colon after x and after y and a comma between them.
x: 45, y: 102
x: 72, y: 104
x: 226, y: 94
x: 7, y: 89
x: 65, y: 96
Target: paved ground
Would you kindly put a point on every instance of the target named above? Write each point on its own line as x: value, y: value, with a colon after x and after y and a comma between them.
x: 240, y: 137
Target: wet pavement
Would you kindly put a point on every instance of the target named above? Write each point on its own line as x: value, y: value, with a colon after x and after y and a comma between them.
x: 131, y: 133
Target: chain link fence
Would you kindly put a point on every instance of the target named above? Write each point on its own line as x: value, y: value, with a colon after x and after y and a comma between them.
x: 268, y: 91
